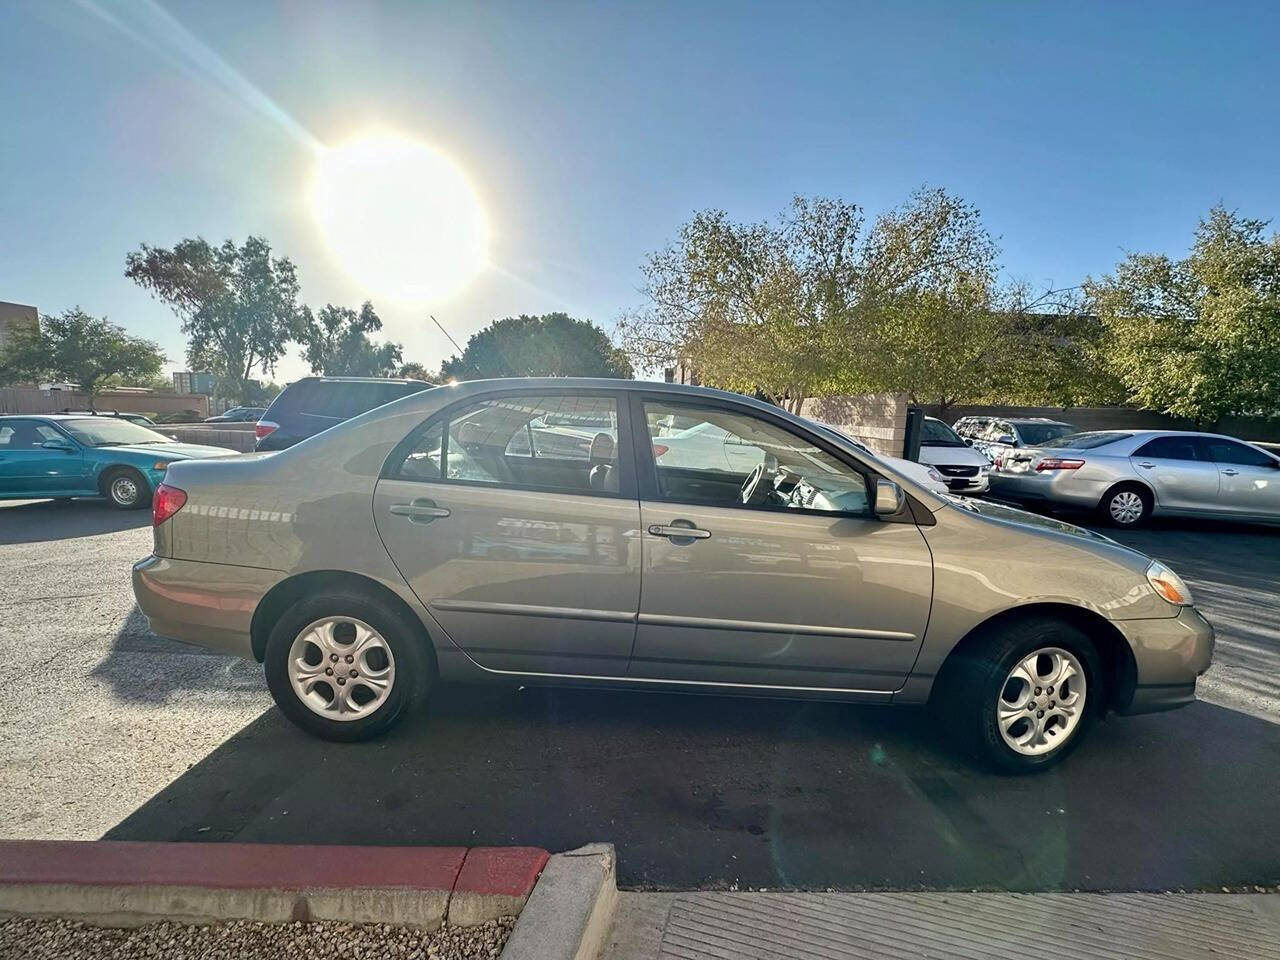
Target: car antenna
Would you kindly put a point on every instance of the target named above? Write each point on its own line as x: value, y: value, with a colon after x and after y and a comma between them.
x: 445, y: 332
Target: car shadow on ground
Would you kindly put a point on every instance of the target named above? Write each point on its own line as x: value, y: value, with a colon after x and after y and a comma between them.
x: 711, y: 792
x: 144, y: 668
x: 37, y: 521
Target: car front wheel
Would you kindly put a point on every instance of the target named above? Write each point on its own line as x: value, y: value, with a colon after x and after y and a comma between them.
x: 1024, y: 695
x: 344, y: 667
x: 126, y: 489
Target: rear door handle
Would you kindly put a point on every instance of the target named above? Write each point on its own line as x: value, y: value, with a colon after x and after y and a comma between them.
x: 679, y: 531
x: 421, y: 510
x: 1146, y: 466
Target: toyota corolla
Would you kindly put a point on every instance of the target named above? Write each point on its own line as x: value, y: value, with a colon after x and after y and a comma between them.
x: 437, y: 538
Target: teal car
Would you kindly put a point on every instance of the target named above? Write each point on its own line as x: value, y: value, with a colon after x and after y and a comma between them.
x: 63, y: 456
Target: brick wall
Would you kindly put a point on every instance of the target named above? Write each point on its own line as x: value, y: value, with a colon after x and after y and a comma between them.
x: 878, y: 420
x: 35, y: 400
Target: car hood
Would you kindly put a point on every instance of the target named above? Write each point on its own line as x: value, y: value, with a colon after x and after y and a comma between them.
x: 963, y: 456
x: 998, y: 511
x: 175, y: 451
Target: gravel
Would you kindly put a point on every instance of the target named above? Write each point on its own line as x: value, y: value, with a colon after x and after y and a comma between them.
x: 28, y: 938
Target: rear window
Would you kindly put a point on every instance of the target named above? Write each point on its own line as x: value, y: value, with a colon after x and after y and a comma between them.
x: 1086, y: 441
x: 1037, y: 434
x: 340, y: 400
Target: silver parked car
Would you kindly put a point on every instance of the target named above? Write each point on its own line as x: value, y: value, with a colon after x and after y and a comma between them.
x: 434, y: 538
x: 993, y: 436
x: 1129, y: 475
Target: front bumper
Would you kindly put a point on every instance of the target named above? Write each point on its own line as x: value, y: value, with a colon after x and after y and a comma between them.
x: 1169, y: 654
x: 970, y: 486
x: 207, y: 604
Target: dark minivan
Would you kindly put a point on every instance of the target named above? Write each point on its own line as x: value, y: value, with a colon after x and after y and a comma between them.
x: 313, y: 404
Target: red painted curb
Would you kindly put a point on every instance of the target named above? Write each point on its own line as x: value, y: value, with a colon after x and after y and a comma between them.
x: 267, y: 865
x: 509, y: 871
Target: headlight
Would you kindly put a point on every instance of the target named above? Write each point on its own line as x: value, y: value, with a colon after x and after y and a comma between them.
x: 935, y: 476
x: 160, y: 465
x: 984, y: 468
x: 1168, y: 584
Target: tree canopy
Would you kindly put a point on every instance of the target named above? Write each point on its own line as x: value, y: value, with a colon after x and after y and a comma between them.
x: 1197, y: 337
x: 820, y: 301
x: 238, y: 305
x: 551, y: 345
x: 81, y: 349
x: 336, y: 343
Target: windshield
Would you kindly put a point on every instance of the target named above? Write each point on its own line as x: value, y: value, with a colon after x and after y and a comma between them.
x: 1086, y: 441
x: 935, y: 433
x: 1037, y: 434
x: 110, y: 432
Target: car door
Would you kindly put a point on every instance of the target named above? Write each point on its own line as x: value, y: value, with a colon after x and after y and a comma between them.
x: 28, y: 467
x: 1249, y: 479
x: 527, y: 555
x: 1184, y: 480
x: 813, y: 593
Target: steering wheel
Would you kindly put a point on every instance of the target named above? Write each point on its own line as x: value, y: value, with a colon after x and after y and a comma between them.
x: 756, y: 489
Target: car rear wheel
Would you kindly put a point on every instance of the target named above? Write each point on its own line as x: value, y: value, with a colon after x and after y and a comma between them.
x: 1126, y: 506
x: 344, y: 667
x: 1022, y: 697
x: 126, y: 489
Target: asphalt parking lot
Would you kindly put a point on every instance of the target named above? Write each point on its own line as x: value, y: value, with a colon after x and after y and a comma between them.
x: 123, y: 734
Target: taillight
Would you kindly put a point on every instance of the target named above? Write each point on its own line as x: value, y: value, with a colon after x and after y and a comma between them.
x: 659, y: 449
x: 1056, y: 463
x: 264, y: 427
x: 165, y: 502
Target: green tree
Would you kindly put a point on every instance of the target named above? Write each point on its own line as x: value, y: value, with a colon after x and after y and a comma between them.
x: 81, y: 349
x: 1197, y: 337
x: 416, y: 371
x: 238, y: 305
x: 337, y: 343
x: 552, y: 345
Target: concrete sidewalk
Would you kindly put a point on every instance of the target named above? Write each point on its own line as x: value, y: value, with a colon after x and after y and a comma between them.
x: 967, y: 926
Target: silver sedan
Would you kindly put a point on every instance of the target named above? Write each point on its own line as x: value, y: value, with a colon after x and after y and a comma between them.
x: 1129, y: 475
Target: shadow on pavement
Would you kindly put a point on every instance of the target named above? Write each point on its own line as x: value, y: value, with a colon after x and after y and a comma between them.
x: 709, y: 792
x: 39, y: 521
x: 142, y: 667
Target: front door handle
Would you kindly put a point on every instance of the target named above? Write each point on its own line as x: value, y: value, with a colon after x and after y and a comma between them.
x: 421, y: 510
x: 1231, y: 473
x: 680, y: 532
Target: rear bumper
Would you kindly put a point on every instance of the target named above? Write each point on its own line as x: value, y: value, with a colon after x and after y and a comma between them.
x: 207, y: 604
x: 1053, y: 486
x: 1169, y: 654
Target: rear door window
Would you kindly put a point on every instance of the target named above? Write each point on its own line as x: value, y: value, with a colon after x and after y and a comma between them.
x: 1170, y: 448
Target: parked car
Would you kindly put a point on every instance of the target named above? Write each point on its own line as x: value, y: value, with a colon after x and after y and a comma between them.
x: 963, y: 469
x: 992, y: 436
x: 238, y: 415
x: 1131, y: 475
x: 359, y: 569
x: 314, y: 404
x: 63, y: 456
x: 140, y: 419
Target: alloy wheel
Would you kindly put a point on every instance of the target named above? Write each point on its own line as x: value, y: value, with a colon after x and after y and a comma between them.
x: 1126, y: 507
x: 341, y: 668
x: 1041, y: 701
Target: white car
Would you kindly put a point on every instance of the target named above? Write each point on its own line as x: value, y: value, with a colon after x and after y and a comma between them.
x: 922, y: 473
x: 963, y: 469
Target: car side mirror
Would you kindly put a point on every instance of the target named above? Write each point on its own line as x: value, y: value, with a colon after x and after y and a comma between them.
x: 889, y: 497
x: 57, y: 443
x: 1005, y: 438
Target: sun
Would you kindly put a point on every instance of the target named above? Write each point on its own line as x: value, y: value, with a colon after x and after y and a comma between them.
x: 400, y: 218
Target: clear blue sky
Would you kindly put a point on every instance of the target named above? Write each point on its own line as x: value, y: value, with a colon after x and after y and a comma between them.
x: 591, y: 131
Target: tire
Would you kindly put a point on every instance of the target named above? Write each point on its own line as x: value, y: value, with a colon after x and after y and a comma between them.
x: 126, y: 489
x: 318, y: 629
x: 976, y: 680
x: 1120, y: 508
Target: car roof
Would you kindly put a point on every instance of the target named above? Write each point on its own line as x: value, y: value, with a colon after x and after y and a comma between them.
x: 365, y: 380
x: 1058, y: 423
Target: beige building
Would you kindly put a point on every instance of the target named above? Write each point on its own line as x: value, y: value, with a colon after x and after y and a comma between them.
x: 14, y: 316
